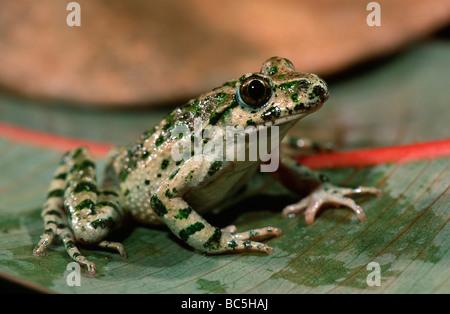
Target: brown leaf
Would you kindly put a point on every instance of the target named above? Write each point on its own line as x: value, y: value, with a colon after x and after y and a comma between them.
x: 156, y: 52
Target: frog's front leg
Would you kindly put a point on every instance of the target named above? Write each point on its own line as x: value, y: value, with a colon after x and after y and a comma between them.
x: 193, y: 229
x: 300, y: 178
x: 78, y: 212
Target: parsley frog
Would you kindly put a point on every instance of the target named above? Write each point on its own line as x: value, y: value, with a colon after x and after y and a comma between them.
x: 144, y: 182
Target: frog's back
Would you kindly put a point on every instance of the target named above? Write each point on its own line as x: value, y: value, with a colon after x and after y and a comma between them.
x: 142, y: 166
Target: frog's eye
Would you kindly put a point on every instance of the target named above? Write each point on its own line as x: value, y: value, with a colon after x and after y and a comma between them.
x: 255, y: 91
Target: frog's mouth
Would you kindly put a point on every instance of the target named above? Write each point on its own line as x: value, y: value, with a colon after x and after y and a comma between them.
x: 292, y: 118
x: 284, y: 120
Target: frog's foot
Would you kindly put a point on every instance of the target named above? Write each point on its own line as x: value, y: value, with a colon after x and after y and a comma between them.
x: 73, y: 195
x: 73, y: 251
x: 70, y: 245
x: 329, y: 194
x: 245, y: 241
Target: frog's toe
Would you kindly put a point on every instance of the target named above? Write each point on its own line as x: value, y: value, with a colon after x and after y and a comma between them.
x: 329, y: 194
x: 314, y: 207
x: 257, y: 234
x: 236, y: 246
x: 232, y: 242
x: 296, y: 208
x: 230, y: 228
x: 89, y: 265
x: 45, y: 241
x: 117, y: 246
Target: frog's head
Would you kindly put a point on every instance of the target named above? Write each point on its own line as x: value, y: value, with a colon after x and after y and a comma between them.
x: 277, y: 95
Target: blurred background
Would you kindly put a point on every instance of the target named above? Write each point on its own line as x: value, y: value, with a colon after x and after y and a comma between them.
x: 129, y: 62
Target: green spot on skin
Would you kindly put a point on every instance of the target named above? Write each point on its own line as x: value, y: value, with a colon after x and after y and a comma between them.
x: 106, y: 193
x: 123, y: 175
x: 271, y: 113
x: 50, y: 222
x: 183, y: 213
x: 317, y: 91
x: 56, y: 193
x: 168, y: 193
x: 159, y: 141
x: 250, y: 122
x: 87, y: 203
x: 173, y: 174
x: 54, y: 212
x: 214, y: 167
x: 158, y: 206
x: 82, y: 166
x: 253, y: 234
x: 195, y: 107
x: 190, y: 230
x: 70, y: 245
x: 216, y: 116
x: 220, y: 98
x: 48, y: 231
x: 299, y: 106
x: 103, y: 223
x: 106, y: 203
x: 293, y: 84
x: 232, y: 244
x: 273, y: 70
x: 61, y: 176
x: 85, y: 186
x: 289, y: 64
x: 165, y: 163
x: 214, y: 241
x: 169, y: 122
x: 77, y: 153
x: 294, y: 97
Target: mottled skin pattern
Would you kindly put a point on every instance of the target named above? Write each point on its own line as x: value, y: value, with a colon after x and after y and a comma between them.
x: 143, y: 181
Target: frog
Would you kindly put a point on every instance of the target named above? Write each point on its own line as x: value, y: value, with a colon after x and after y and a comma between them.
x: 143, y: 182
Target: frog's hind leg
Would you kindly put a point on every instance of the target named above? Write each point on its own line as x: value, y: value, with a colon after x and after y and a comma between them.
x: 53, y: 210
x: 91, y: 213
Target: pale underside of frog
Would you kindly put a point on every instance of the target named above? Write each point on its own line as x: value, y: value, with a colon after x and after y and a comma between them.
x: 143, y: 181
